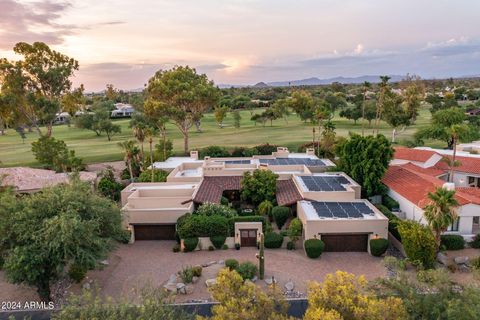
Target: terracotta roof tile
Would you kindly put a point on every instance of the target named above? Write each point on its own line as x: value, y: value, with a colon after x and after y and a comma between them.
x: 287, y: 193
x: 431, y: 171
x: 413, y: 154
x: 212, y: 188
x: 466, y: 164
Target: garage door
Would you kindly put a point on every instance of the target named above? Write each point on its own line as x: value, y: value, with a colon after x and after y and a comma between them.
x: 345, y: 242
x: 154, y: 232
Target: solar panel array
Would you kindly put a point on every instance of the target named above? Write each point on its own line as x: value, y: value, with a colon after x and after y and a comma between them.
x: 294, y: 161
x: 237, y: 161
x: 342, y: 209
x: 325, y: 183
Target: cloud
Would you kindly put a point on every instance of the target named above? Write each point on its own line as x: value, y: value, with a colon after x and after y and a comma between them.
x: 452, y: 47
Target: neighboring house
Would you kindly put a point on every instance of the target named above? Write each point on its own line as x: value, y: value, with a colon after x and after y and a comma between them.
x: 328, y: 204
x: 410, y: 184
x: 471, y: 148
x: 29, y: 180
x: 122, y: 110
x: 62, y: 118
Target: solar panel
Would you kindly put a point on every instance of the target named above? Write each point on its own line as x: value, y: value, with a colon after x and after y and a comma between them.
x: 324, y: 183
x: 343, y: 210
x: 294, y: 161
x: 237, y: 161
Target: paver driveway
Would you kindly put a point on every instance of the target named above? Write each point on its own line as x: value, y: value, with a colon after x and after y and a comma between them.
x: 152, y: 262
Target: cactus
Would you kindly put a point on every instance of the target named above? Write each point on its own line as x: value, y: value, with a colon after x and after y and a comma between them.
x: 261, y: 258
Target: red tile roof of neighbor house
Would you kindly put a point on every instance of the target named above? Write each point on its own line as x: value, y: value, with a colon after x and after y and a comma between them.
x: 466, y: 164
x: 28, y: 179
x: 412, y: 154
x: 431, y: 171
x: 212, y: 188
x: 287, y: 193
x: 415, y: 186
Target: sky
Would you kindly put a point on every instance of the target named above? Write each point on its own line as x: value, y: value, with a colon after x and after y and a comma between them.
x: 123, y: 42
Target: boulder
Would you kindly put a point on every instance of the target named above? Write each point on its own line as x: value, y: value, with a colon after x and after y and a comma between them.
x: 270, y: 280
x: 461, y: 260
x: 221, y: 261
x: 194, y: 279
x: 442, y: 258
x: 170, y: 287
x: 104, y: 262
x: 210, y: 282
x: 172, y: 279
x: 254, y: 279
x: 189, y: 289
x: 289, y: 286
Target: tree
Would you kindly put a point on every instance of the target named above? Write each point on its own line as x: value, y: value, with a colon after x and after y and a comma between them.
x: 352, y: 113
x: 244, y: 300
x: 138, y: 124
x: 108, y: 185
x: 98, y: 122
x: 344, y: 296
x: 54, y: 154
x: 303, y: 104
x: 73, y: 101
x: 155, y: 175
x: 128, y: 148
x: 418, y: 242
x: 365, y: 87
x: 259, y: 186
x: 395, y: 113
x: 182, y: 96
x: 236, y: 119
x: 54, y: 229
x: 281, y: 109
x: 295, y: 230
x: 109, y: 128
x: 441, y: 212
x: 382, y: 95
x: 220, y: 113
x: 366, y: 160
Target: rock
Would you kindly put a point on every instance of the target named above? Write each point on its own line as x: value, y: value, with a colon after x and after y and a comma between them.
x: 180, y: 285
x: 189, y: 289
x: 254, y: 279
x: 172, y: 279
x: 194, y: 279
x: 221, y: 262
x: 461, y: 260
x: 86, y: 286
x: 210, y: 282
x: 104, y: 262
x: 211, y: 263
x: 442, y: 258
x: 289, y: 286
x: 170, y: 287
x: 270, y: 280
x: 464, y: 268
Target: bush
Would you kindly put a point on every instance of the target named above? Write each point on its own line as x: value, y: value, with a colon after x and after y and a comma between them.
x: 197, y: 271
x: 124, y: 236
x: 452, y: 242
x: 314, y: 248
x: 218, y: 241
x: 176, y: 247
x: 186, y: 274
x: 295, y: 229
x: 259, y: 186
x: 246, y: 219
x: 108, y: 185
x: 212, y: 209
x: 273, y: 240
x: 390, y: 203
x: 225, y: 247
x: 378, y: 246
x: 247, y: 270
x: 475, y: 263
x: 158, y: 176
x: 77, y: 273
x: 224, y: 201
x: 190, y: 244
x: 195, y: 225
x: 214, y: 152
x: 280, y: 215
x: 265, y: 149
x: 242, y: 152
x: 476, y: 242
x: 418, y: 242
x: 231, y: 264
x: 290, y: 245
x: 211, y: 248
x: 393, y: 221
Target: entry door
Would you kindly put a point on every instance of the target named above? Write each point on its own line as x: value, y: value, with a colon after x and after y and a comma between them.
x: 248, y: 237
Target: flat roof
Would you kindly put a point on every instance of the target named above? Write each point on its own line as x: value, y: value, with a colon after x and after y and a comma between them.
x: 309, y: 162
x: 323, y: 182
x: 331, y: 210
x: 173, y: 162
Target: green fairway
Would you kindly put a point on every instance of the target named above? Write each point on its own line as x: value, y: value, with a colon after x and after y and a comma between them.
x: 87, y: 145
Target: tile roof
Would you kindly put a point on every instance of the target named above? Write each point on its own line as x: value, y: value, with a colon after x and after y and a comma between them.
x: 466, y: 164
x: 28, y: 179
x: 413, y: 154
x: 212, y: 188
x: 287, y: 193
x: 415, y: 186
x: 431, y: 171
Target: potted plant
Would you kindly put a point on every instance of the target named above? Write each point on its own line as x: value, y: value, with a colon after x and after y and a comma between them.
x: 237, y: 246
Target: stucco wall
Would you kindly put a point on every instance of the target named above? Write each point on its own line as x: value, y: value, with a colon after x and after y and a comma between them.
x: 247, y: 225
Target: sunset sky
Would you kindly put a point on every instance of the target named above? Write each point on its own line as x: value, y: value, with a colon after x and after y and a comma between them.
x: 124, y: 42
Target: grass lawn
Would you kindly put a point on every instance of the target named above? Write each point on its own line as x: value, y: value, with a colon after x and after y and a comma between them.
x: 15, y: 152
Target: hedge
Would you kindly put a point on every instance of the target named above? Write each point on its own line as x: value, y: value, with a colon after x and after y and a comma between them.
x: 202, y: 226
x: 378, y: 246
x: 280, y: 215
x: 273, y: 240
x: 218, y: 241
x: 246, y: 219
x: 314, y: 248
x: 190, y: 244
x: 389, y: 202
x: 393, y: 221
x: 452, y: 242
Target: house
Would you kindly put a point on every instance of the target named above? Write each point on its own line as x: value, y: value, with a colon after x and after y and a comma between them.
x: 122, y: 110
x: 339, y: 217
x: 62, y: 118
x: 409, y: 184
x: 29, y: 180
x: 471, y: 148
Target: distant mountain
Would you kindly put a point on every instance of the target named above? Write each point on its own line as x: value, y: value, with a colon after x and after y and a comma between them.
x: 316, y: 81
x: 260, y: 85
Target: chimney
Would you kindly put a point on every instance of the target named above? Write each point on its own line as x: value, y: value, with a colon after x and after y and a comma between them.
x: 194, y: 155
x: 450, y: 186
x: 311, y: 151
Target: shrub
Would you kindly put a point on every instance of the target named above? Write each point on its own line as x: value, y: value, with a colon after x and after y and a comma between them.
x: 195, y: 225
x: 242, y: 152
x: 163, y: 150
x: 476, y: 242
x: 124, y: 236
x: 295, y: 229
x: 108, y: 185
x: 212, y: 209
x: 246, y: 219
x: 314, y: 248
x: 475, y: 263
x: 247, y: 270
x: 280, y: 215
x: 231, y: 264
x: 273, y: 240
x: 218, y: 241
x: 197, y: 271
x: 390, y: 203
x: 259, y: 186
x: 265, y: 208
x: 176, y: 247
x: 77, y: 273
x: 290, y: 245
x: 186, y: 274
x: 378, y: 246
x: 452, y: 242
x: 265, y: 149
x: 211, y: 248
x: 418, y: 242
x: 214, y: 152
x: 158, y: 176
x: 224, y: 201
x: 225, y: 247
x: 190, y: 244
x: 393, y: 221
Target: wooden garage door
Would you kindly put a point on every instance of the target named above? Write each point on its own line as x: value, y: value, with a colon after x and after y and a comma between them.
x: 155, y: 232
x: 345, y: 242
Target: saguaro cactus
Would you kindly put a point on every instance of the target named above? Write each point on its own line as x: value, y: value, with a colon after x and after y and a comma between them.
x: 261, y: 258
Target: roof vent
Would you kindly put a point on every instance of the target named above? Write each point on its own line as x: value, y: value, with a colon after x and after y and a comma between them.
x: 449, y: 186
x: 194, y: 155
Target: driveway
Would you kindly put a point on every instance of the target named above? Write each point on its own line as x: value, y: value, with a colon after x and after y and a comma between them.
x: 152, y: 262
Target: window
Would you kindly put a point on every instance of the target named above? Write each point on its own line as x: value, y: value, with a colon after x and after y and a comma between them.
x: 454, y: 226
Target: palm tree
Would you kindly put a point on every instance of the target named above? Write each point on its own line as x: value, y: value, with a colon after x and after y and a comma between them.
x: 149, y: 134
x: 381, y: 101
x: 129, y: 150
x: 441, y: 212
x: 455, y: 131
x: 366, y: 86
x: 138, y: 125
